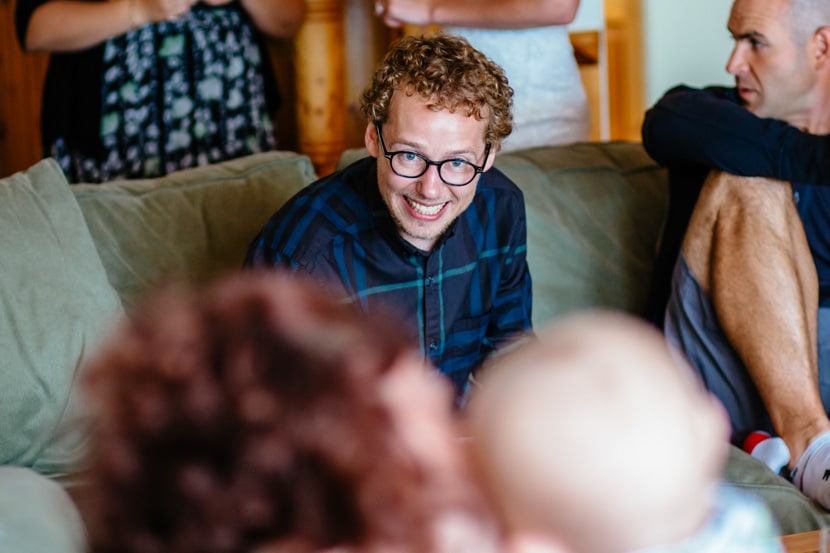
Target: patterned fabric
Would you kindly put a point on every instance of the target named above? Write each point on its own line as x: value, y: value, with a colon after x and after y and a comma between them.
x: 176, y: 94
x: 740, y: 523
x: 463, y: 299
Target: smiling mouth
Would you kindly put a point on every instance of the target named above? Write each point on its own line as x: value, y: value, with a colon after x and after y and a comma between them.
x: 426, y: 210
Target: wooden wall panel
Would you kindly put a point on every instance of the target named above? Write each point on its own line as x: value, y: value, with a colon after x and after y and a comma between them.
x: 282, y: 60
x: 625, y: 68
x: 366, y: 41
x: 21, y: 83
x: 321, y: 84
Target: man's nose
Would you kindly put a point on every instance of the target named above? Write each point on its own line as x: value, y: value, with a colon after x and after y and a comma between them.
x: 430, y: 184
x: 737, y: 61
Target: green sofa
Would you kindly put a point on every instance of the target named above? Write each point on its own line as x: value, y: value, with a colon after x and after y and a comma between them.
x: 74, y: 258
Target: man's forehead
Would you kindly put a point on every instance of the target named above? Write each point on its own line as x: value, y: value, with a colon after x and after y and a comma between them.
x: 759, y: 18
x: 407, y: 107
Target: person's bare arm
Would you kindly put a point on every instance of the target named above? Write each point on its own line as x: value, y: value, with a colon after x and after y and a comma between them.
x: 494, y: 14
x: 67, y: 25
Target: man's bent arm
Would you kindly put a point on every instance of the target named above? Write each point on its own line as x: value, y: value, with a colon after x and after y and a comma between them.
x: 708, y: 127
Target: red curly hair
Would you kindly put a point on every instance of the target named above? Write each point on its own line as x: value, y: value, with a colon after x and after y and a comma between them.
x: 449, y: 71
x: 246, y: 415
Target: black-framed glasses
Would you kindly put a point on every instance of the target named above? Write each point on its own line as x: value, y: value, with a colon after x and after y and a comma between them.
x: 411, y: 165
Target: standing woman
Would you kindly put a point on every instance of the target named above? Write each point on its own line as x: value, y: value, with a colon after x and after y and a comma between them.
x: 142, y: 88
x: 529, y: 40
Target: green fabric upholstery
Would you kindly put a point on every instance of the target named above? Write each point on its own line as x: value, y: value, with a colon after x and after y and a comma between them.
x: 37, y: 515
x: 55, y: 306
x: 792, y: 509
x: 594, y: 216
x: 190, y: 225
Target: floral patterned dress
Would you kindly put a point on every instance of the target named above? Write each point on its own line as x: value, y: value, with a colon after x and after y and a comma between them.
x: 191, y: 91
x: 175, y: 95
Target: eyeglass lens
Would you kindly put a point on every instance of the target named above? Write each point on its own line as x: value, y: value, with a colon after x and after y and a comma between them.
x: 451, y: 171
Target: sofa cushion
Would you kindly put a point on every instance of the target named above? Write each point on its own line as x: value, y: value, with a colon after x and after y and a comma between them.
x: 594, y: 214
x: 55, y: 305
x: 37, y: 515
x: 793, y: 511
x: 192, y: 224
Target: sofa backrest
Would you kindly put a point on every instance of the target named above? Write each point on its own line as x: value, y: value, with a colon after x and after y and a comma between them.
x: 595, y: 213
x: 191, y: 225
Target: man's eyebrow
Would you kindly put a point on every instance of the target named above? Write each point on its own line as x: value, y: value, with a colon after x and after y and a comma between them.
x: 420, y: 148
x: 755, y: 35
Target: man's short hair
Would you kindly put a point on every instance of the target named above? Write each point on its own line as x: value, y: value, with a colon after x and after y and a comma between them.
x: 451, y: 73
x: 806, y: 17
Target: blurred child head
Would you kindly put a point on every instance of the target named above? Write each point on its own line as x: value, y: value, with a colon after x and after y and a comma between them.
x: 597, y: 438
x: 260, y: 415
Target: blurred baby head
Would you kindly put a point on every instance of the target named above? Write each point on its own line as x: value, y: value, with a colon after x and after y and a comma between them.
x: 598, y: 437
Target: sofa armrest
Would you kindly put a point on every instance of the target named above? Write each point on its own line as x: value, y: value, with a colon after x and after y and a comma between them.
x: 37, y: 515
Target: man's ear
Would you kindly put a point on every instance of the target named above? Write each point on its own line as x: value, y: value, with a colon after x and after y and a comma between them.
x: 370, y: 139
x: 491, y: 157
x: 820, y: 46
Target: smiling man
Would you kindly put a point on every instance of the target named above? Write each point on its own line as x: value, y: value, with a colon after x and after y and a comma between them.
x: 425, y: 225
x: 749, y: 300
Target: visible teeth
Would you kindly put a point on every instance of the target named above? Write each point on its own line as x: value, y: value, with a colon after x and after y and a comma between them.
x: 424, y: 209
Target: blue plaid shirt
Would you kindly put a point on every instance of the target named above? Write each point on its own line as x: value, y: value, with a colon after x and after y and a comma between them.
x: 464, y: 299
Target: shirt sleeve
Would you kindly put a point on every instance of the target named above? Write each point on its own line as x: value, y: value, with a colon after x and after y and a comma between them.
x: 708, y: 127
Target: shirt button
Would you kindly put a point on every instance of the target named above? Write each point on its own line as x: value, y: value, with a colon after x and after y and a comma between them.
x: 430, y: 280
x: 433, y: 345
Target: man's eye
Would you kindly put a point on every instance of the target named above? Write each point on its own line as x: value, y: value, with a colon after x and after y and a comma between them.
x: 755, y: 44
x: 409, y: 156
